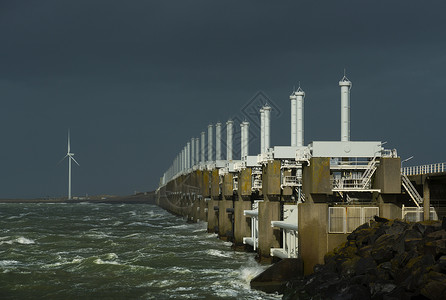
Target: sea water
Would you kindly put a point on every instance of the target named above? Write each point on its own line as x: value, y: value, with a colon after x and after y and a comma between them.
x: 116, y: 251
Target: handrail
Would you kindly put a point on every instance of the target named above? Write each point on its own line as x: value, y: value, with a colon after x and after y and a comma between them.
x: 284, y: 225
x: 424, y: 169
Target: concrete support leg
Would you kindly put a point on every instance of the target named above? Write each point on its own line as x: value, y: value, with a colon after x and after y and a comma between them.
x: 426, y: 200
x: 269, y: 237
x: 242, y: 224
x: 203, y: 208
x: 212, y: 216
x: 225, y: 219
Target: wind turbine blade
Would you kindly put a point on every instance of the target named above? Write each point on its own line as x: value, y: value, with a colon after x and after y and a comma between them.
x: 62, y: 159
x: 75, y: 160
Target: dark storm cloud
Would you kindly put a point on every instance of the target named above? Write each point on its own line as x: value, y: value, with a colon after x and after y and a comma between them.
x: 134, y: 80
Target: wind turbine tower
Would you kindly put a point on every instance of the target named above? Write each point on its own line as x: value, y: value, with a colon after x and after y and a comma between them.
x: 70, y: 157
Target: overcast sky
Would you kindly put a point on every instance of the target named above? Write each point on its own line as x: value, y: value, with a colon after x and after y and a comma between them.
x: 135, y: 80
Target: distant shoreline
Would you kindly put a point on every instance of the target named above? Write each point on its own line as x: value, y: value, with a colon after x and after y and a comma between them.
x: 140, y: 198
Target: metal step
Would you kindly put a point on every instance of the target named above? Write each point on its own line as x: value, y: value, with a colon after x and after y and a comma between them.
x: 410, y: 189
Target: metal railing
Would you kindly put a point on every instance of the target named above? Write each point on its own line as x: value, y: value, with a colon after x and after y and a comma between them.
x: 416, y: 214
x: 425, y: 169
x: 253, y: 240
x: 290, y: 233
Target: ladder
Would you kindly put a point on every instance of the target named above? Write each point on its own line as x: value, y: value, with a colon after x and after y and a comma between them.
x: 367, y: 175
x: 410, y: 189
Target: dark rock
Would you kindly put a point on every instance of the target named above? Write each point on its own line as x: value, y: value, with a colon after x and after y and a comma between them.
x: 412, y: 234
x: 437, y: 248
x: 419, y: 227
x: 364, y: 265
x: 365, y: 251
x: 443, y: 223
x: 410, y: 244
x: 442, y: 264
x: 321, y: 282
x: 352, y: 292
x: 383, y: 248
x: 396, y: 228
x: 379, y: 288
x: 399, y: 245
x: 434, y: 286
x: 349, y: 266
x: 437, y: 235
x: 381, y: 220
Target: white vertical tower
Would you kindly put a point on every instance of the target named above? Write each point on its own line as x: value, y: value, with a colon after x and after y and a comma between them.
x: 203, y: 137
x: 188, y: 156
x: 300, y: 95
x: 229, y: 133
x: 242, y: 140
x: 192, y: 152
x: 184, y: 158
x: 210, y: 146
x: 345, y: 85
x: 293, y: 99
x: 245, y: 138
x: 197, y: 151
x: 262, y: 130
x: 267, y: 127
x: 218, y: 141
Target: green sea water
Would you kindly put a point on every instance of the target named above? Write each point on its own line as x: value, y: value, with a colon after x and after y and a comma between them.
x: 113, y: 251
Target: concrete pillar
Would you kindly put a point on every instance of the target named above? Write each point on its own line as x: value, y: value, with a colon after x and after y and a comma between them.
x: 197, y: 151
x: 218, y: 141
x: 212, y: 216
x: 203, y: 137
x: 188, y: 156
x: 242, y: 140
x: 205, y: 188
x: 203, y: 209
x: 192, y: 152
x: 267, y: 128
x: 269, y: 237
x: 242, y: 224
x: 426, y: 199
x: 269, y: 209
x: 345, y: 85
x: 225, y: 229
x: 246, y: 142
x: 312, y: 223
x: 262, y: 130
x: 300, y: 117
x: 210, y: 145
x: 229, y: 133
x: 293, y: 120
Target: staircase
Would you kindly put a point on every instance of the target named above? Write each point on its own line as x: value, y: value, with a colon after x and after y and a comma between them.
x: 367, y: 176
x: 410, y: 189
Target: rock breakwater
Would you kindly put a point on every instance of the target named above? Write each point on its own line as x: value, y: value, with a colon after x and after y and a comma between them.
x: 387, y: 259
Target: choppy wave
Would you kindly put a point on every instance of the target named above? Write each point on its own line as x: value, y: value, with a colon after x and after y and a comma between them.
x: 116, y: 251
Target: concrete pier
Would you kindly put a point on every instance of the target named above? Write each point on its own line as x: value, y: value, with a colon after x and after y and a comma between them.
x: 242, y: 224
x: 269, y: 209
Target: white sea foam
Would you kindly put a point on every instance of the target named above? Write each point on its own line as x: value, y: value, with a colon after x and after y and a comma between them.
x: 24, y: 241
x: 7, y: 263
x: 105, y: 262
x: 180, y: 270
x: 217, y: 253
x: 132, y: 235
x: 111, y: 256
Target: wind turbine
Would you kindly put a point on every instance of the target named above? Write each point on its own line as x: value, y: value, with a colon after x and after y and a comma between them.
x: 70, y: 157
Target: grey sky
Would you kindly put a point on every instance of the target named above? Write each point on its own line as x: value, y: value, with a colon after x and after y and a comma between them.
x: 135, y: 80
